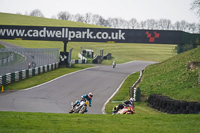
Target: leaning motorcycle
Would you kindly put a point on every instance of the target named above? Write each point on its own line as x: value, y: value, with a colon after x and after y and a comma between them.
x: 80, y: 107
x: 126, y: 110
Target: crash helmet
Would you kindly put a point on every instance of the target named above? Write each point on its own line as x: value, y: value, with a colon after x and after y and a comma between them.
x: 90, y: 95
x: 132, y: 99
x: 115, y: 108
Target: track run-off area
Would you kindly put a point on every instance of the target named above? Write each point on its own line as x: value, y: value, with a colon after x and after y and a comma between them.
x: 56, y: 95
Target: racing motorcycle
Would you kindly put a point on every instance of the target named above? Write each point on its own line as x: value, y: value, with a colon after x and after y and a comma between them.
x: 114, y: 64
x: 80, y: 107
x: 128, y: 109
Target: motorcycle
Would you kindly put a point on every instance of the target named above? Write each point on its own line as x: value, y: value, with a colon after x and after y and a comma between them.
x: 114, y: 65
x: 80, y: 107
x: 128, y: 109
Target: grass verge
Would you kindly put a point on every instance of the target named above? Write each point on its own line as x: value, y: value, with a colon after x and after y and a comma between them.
x: 19, y: 122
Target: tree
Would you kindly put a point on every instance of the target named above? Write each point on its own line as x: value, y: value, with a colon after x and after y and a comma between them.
x: 79, y: 18
x: 192, y: 27
x: 36, y: 13
x: 151, y: 24
x: 95, y: 19
x: 143, y: 24
x: 113, y: 22
x: 63, y: 16
x: 177, y: 26
x: 88, y: 18
x: 196, y: 6
x: 184, y: 25
x: 133, y: 23
x: 103, y: 22
x: 164, y: 24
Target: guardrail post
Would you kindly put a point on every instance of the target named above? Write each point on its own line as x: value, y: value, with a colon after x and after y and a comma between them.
x: 138, y: 92
x: 199, y: 78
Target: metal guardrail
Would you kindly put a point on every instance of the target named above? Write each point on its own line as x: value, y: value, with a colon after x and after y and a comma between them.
x: 19, y: 75
x: 135, y: 92
x: 17, y: 59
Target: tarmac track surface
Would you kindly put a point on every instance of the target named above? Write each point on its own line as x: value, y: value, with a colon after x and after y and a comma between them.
x: 56, y: 96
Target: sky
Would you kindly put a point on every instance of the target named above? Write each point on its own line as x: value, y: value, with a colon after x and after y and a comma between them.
x: 174, y: 10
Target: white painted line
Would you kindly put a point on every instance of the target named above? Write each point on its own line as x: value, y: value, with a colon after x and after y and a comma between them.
x: 57, y: 78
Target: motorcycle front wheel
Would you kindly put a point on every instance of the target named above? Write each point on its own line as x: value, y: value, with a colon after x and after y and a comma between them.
x: 82, y: 110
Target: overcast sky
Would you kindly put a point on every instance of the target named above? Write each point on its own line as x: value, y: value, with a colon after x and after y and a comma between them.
x: 175, y: 10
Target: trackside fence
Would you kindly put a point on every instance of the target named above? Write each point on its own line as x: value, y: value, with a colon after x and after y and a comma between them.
x: 19, y: 75
x: 17, y: 59
x: 21, y: 63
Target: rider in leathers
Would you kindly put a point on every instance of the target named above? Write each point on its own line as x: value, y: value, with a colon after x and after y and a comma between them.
x: 121, y: 106
x: 85, y: 97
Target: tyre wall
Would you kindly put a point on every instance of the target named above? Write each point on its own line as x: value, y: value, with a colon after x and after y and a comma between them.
x: 168, y: 105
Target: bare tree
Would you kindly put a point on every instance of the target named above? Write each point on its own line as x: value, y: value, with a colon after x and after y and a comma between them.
x: 88, y: 18
x: 183, y: 25
x: 196, y: 6
x: 125, y: 24
x: 103, y: 22
x: 64, y: 15
x: 36, y: 13
x: 192, y: 28
x: 151, y: 24
x: 113, y: 22
x: 133, y: 23
x: 164, y: 24
x: 95, y: 19
x: 143, y: 24
x: 177, y: 26
x: 79, y: 18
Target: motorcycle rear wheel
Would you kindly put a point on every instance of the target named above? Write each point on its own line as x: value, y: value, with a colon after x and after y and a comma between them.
x: 71, y: 110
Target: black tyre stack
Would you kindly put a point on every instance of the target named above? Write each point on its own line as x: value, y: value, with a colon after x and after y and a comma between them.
x: 168, y: 105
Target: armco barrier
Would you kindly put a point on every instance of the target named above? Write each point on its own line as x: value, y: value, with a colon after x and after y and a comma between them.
x: 168, y: 105
x: 18, y: 75
x: 135, y: 92
x: 78, y: 61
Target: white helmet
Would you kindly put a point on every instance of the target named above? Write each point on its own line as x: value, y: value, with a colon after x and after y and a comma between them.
x: 131, y: 99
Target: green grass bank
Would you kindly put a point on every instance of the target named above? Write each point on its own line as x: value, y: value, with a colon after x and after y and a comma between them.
x: 172, y: 78
x: 19, y: 122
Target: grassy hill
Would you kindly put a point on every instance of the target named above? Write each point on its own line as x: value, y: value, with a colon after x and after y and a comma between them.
x: 172, y: 78
x: 15, y: 19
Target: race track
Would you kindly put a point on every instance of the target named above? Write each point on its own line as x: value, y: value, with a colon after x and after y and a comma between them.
x: 56, y: 96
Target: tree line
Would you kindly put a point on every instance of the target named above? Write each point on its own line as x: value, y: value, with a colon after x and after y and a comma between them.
x: 150, y: 24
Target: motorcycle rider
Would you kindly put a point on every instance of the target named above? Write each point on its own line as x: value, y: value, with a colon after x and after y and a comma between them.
x: 125, y: 103
x: 114, y: 64
x: 87, y: 97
